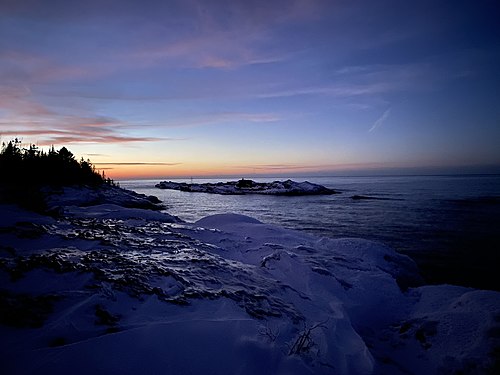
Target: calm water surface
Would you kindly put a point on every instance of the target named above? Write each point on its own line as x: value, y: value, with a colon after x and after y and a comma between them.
x: 450, y: 225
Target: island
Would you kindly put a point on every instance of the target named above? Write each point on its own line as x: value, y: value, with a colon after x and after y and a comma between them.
x: 244, y: 186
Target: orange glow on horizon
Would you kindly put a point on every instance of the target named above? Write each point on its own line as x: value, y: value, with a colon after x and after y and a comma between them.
x: 126, y: 172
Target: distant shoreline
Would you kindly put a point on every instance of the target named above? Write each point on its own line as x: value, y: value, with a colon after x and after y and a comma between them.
x: 271, y: 177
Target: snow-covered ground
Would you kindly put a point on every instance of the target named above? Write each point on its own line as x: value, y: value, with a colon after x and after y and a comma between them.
x: 115, y: 290
x: 240, y: 187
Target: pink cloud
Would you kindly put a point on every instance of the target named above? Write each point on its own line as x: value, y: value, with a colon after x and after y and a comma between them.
x: 82, y: 138
x: 23, y: 115
x: 214, y: 49
x: 136, y: 163
x: 225, y: 36
x: 27, y: 118
x: 46, y: 137
x: 20, y: 68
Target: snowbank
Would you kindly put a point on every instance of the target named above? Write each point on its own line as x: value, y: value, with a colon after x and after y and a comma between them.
x: 107, y: 289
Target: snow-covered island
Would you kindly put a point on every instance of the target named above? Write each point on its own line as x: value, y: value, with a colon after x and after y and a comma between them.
x: 102, y: 286
x: 244, y: 186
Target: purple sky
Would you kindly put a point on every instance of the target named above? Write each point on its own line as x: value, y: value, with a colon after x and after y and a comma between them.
x: 167, y: 88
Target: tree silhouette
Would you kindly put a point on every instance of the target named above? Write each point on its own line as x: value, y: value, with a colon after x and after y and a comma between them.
x: 23, y: 171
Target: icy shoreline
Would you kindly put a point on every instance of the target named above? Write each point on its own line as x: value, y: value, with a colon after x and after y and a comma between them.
x: 107, y: 288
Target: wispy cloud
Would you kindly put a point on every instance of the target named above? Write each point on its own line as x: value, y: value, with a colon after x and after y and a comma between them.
x: 225, y: 35
x: 213, y: 48
x: 340, y: 90
x: 28, y: 68
x: 64, y: 129
x: 365, y: 80
x: 135, y: 163
x: 47, y: 137
x: 281, y: 167
x: 107, y: 139
x: 380, y: 120
x: 24, y: 115
x: 224, y: 118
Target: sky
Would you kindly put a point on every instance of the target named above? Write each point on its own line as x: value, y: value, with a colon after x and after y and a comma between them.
x: 186, y: 88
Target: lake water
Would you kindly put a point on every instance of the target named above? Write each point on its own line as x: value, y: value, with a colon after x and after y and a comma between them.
x: 450, y: 225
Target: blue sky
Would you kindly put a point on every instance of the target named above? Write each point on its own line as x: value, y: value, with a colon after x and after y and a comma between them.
x: 171, y: 88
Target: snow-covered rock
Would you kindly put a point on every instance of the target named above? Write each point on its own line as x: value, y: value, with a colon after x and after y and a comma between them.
x: 242, y: 186
x: 106, y: 289
x: 87, y: 196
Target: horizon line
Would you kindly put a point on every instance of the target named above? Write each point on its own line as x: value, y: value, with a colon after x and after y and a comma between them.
x: 213, y: 177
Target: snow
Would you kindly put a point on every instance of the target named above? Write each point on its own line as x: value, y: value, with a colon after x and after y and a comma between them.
x: 113, y: 211
x: 111, y: 289
x: 240, y: 187
x: 86, y: 196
